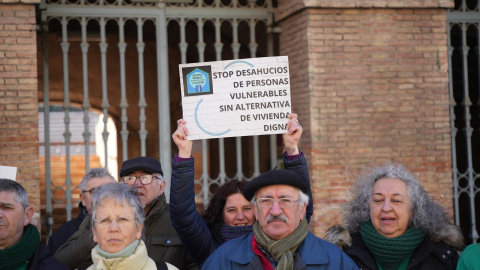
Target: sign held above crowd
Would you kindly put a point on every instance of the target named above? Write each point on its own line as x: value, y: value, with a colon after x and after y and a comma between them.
x: 233, y: 98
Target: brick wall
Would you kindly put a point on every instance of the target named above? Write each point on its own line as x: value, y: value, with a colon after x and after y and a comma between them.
x: 288, y: 7
x: 370, y: 85
x: 18, y: 95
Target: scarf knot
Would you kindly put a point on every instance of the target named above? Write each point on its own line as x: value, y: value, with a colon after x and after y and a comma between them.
x: 390, y: 252
x: 281, y: 250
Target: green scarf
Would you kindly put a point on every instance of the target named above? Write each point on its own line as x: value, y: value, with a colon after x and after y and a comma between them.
x: 283, y: 249
x: 19, y: 254
x: 390, y: 252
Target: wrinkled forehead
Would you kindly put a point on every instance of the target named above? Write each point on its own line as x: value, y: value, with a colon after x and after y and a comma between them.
x: 8, y: 198
x: 277, y: 191
x: 114, y: 205
x: 393, y: 185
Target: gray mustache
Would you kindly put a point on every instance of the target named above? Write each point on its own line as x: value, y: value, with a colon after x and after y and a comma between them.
x: 271, y: 218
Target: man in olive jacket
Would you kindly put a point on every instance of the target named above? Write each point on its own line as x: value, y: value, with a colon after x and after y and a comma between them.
x: 163, y: 244
x: 145, y: 175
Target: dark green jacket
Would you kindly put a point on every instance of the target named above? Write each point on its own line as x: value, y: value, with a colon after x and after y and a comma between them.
x: 163, y: 243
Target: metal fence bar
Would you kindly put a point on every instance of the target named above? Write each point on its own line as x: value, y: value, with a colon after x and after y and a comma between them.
x: 105, y: 105
x: 453, y: 129
x: 66, y: 105
x: 467, y: 103
x: 165, y: 153
x: 238, y: 149
x: 253, y: 53
x: 142, y: 103
x: 86, y: 103
x: 122, y: 46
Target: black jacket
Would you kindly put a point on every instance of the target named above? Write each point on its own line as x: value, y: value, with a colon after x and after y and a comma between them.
x: 61, y: 235
x: 43, y: 260
x: 428, y: 255
x: 436, y: 253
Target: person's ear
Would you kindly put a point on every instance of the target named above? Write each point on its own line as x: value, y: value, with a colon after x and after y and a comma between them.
x: 162, y: 185
x: 255, y: 212
x: 94, y: 236
x: 82, y: 199
x: 139, y: 231
x: 304, y: 211
x: 28, y: 215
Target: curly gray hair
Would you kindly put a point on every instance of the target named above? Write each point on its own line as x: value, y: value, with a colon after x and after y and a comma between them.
x: 427, y: 215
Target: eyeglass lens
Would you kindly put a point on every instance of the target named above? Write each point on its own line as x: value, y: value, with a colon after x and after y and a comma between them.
x: 120, y: 220
x: 144, y: 179
x: 283, y: 202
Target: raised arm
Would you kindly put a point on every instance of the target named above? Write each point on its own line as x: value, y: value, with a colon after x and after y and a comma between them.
x: 295, y: 160
x: 180, y: 139
x: 293, y: 135
x: 190, y: 226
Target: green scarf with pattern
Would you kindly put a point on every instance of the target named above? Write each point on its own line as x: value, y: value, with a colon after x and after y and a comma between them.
x: 283, y: 249
x: 390, y: 252
x: 19, y: 254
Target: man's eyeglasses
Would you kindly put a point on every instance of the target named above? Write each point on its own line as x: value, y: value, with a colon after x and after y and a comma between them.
x: 121, y: 221
x: 144, y: 179
x: 89, y: 191
x: 283, y: 202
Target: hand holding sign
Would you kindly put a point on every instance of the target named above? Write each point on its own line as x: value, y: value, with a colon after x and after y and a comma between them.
x: 236, y: 98
x: 180, y: 138
x: 291, y: 138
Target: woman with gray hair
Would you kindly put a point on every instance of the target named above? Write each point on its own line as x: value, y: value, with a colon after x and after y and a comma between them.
x: 117, y: 224
x: 391, y: 223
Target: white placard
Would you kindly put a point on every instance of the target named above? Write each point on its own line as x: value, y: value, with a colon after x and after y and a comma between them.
x: 8, y: 172
x: 236, y: 97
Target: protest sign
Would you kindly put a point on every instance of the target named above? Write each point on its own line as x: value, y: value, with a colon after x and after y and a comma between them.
x: 8, y: 172
x: 236, y: 97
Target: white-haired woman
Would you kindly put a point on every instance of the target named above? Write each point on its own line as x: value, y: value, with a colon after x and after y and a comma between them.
x: 117, y: 223
x: 393, y: 224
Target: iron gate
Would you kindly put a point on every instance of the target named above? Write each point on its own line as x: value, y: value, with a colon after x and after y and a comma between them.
x: 464, y: 60
x: 98, y: 55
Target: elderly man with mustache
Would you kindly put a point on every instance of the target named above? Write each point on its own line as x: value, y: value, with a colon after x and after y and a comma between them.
x: 280, y: 237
